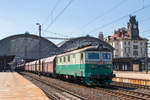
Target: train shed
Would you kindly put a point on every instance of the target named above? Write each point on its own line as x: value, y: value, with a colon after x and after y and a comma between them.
x: 24, y: 46
x: 80, y: 42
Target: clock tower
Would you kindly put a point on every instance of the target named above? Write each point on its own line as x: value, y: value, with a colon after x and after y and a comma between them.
x: 133, y: 29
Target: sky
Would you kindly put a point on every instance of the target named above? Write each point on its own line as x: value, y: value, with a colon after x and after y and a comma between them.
x: 79, y: 18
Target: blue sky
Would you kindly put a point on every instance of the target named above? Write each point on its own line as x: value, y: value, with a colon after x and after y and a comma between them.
x: 19, y: 16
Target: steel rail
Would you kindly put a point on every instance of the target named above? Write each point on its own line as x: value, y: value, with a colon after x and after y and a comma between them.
x: 130, y: 85
x: 123, y: 94
x: 53, y: 97
x: 56, y: 87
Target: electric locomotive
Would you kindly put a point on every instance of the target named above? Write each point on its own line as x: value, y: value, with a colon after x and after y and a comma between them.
x: 91, y: 65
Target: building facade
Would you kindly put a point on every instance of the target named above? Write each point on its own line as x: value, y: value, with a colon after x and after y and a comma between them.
x: 129, y: 44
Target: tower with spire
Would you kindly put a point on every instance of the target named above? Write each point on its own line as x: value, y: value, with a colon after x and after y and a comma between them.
x: 133, y: 29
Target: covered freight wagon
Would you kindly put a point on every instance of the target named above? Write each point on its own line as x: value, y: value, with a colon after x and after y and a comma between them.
x: 48, y: 65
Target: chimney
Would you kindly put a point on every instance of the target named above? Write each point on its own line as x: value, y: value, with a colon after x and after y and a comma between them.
x: 100, y: 36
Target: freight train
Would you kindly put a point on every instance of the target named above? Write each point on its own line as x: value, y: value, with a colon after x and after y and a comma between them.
x: 90, y: 65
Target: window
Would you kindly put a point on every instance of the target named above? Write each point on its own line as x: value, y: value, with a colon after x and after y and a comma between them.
x: 73, y: 55
x: 64, y: 59
x: 135, y: 53
x: 125, y: 43
x: 93, y: 56
x: 125, y: 50
x: 141, y: 50
x: 68, y: 58
x: 141, y: 43
x: 135, y: 46
x: 106, y: 55
x: 135, y: 41
x: 57, y: 60
x: 129, y: 43
x: 129, y: 50
x: 60, y: 60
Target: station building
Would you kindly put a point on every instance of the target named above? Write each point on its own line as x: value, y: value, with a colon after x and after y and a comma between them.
x: 131, y: 49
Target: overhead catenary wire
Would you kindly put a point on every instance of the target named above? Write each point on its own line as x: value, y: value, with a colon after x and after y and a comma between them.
x: 145, y: 31
x: 51, y: 13
x: 61, y: 12
x: 118, y: 19
x: 102, y: 15
x: 143, y: 20
x: 59, y: 34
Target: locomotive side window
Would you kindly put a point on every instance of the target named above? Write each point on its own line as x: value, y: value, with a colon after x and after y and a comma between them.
x: 68, y: 58
x: 73, y: 55
x: 60, y: 60
x: 64, y: 59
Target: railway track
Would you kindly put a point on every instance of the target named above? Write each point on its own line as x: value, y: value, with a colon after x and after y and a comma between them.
x: 61, y: 93
x: 121, y: 93
x: 125, y: 94
x: 130, y: 85
x: 51, y: 96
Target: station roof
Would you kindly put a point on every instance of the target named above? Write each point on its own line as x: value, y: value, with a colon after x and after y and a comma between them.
x: 80, y: 42
x: 26, y: 46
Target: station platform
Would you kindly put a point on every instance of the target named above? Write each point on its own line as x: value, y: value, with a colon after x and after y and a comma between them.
x: 140, y: 78
x: 13, y: 86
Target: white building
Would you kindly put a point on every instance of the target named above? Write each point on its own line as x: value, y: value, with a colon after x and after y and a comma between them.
x: 128, y: 44
x: 129, y: 48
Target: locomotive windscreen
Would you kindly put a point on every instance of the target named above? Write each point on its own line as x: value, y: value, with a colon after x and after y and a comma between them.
x: 93, y: 56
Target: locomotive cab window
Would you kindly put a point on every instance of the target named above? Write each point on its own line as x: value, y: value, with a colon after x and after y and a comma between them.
x: 106, y: 56
x: 93, y: 56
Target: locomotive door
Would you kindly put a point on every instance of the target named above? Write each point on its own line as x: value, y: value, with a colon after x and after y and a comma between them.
x: 81, y: 62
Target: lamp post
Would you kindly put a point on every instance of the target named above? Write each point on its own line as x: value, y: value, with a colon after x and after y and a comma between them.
x: 39, y: 56
x: 146, y: 58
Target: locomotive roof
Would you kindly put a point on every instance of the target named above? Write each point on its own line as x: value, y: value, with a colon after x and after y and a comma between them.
x: 80, y: 50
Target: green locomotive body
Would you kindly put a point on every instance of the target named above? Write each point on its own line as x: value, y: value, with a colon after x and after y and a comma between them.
x: 90, y: 65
